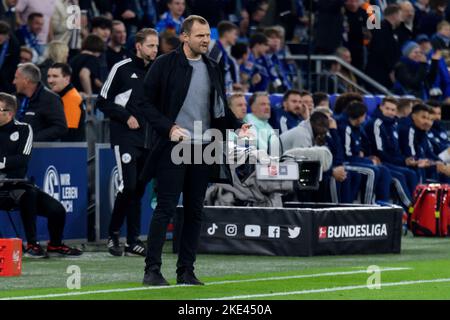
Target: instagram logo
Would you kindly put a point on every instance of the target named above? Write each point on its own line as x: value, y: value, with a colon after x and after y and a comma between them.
x: 231, y: 230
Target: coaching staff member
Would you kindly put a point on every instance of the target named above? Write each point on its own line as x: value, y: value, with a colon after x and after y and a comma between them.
x: 181, y: 87
x: 120, y: 99
x: 16, y: 141
x: 38, y: 106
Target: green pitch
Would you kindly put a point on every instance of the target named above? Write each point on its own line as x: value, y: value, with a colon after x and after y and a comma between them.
x: 421, y: 271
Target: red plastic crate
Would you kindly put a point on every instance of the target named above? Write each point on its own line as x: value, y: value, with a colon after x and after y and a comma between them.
x: 10, y: 257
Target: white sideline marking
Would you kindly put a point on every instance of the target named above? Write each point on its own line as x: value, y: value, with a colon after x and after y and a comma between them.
x: 388, y: 284
x: 316, y: 275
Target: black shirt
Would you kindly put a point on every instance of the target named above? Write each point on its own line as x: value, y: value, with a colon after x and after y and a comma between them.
x: 90, y: 62
x: 16, y: 142
x: 121, y: 96
x: 112, y: 57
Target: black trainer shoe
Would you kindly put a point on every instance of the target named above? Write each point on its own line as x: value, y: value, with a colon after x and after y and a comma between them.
x: 35, y: 251
x: 114, y: 246
x: 188, y: 277
x: 63, y: 251
x: 154, y: 278
x: 135, y: 249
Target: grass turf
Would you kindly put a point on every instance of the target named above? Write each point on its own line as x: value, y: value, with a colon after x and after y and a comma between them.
x: 426, y: 259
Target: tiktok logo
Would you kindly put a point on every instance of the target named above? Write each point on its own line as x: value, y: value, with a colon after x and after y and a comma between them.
x: 212, y: 229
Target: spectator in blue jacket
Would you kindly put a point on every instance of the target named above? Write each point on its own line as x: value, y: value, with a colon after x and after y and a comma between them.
x: 344, y: 181
x: 441, y: 39
x: 413, y: 74
x: 437, y: 134
x: 440, y: 89
x: 291, y: 114
x: 382, y: 134
x: 259, y: 67
x: 286, y: 70
x: 415, y: 143
x: 173, y: 19
x: 351, y: 134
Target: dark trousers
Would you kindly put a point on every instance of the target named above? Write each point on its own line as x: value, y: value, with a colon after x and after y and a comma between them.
x: 172, y: 179
x: 130, y: 161
x: 32, y: 203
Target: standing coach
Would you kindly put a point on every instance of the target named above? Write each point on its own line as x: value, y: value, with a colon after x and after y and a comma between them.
x: 120, y: 99
x: 181, y: 87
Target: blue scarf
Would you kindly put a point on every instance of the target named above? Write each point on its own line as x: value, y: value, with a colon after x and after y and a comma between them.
x: 22, y: 108
x: 31, y: 39
x: 3, y: 53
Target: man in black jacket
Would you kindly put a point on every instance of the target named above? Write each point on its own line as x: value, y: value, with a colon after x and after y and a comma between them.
x: 120, y: 101
x: 38, y: 106
x: 182, y: 87
x: 16, y: 142
x: 9, y: 57
x: 384, y: 49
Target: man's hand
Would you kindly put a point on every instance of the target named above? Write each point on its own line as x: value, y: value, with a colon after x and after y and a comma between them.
x: 128, y: 14
x: 132, y: 123
x: 339, y: 173
x: 3, y: 163
x: 423, y: 163
x: 256, y: 79
x: 304, y: 111
x: 376, y: 161
x: 245, y: 131
x: 178, y: 134
x: 410, y: 162
x: 443, y: 168
x: 332, y: 123
x: 437, y: 55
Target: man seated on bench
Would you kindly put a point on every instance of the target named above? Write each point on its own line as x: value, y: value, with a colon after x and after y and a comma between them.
x: 16, y: 141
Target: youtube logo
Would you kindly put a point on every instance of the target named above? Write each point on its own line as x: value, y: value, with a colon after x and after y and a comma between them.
x: 322, y: 232
x: 252, y: 230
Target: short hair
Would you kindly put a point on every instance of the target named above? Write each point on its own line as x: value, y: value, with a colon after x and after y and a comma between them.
x: 30, y: 71
x: 356, y: 110
x: 101, y: 22
x: 318, y: 97
x: 289, y: 93
x: 57, y: 51
x: 305, y: 93
x: 27, y: 50
x: 340, y: 51
x: 257, y: 38
x: 238, y: 50
x: 34, y: 15
x: 234, y: 96
x: 170, y: 38
x: 344, y: 99
x: 434, y: 104
x: 225, y: 26
x: 116, y: 23
x: 66, y: 70
x: 319, y: 119
x: 419, y: 107
x: 389, y: 99
x: 273, y: 32
x: 93, y: 43
x: 324, y: 110
x: 9, y: 101
x: 142, y: 34
x: 186, y: 27
x: 5, y: 29
x: 255, y: 95
x: 391, y: 10
x: 404, y: 103
x: 442, y: 24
